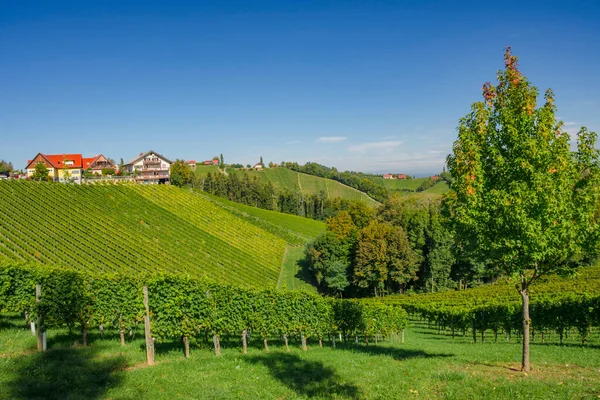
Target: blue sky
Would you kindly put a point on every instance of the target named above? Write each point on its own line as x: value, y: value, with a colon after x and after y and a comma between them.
x: 360, y: 85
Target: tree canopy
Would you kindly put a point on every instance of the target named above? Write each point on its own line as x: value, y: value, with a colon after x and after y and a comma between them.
x: 520, y: 197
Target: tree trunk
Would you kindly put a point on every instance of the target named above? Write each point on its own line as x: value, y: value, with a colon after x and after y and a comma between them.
x: 266, y: 344
x: 244, y: 342
x: 186, y: 346
x: 303, y: 338
x: 333, y: 341
x: 122, y: 334
x: 285, y: 339
x: 84, y: 336
x: 148, y: 335
x: 40, y: 321
x: 402, y: 336
x: 525, y: 365
x: 320, y: 341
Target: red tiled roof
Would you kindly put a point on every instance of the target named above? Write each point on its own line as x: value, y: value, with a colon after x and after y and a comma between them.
x: 87, y: 162
x: 58, y: 160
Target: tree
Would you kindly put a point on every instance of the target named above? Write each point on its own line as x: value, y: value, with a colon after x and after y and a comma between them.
x: 5, y: 167
x: 336, y: 276
x: 221, y: 162
x: 181, y: 174
x: 383, y: 258
x: 520, y: 198
x: 41, y: 172
x: 261, y: 162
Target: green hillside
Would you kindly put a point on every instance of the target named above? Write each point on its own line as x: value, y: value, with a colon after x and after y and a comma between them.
x: 202, y: 170
x: 134, y: 228
x: 291, y: 228
x: 310, y: 184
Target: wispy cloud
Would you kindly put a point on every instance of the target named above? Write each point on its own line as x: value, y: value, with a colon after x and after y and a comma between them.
x: 293, y: 142
x: 331, y: 139
x: 381, y: 146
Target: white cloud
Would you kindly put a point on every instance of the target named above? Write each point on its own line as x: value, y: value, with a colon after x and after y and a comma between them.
x: 380, y: 146
x: 331, y: 139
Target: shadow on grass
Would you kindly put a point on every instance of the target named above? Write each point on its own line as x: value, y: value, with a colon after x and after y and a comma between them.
x: 394, y: 352
x: 306, y: 378
x: 12, y: 321
x: 304, y: 274
x: 69, y: 373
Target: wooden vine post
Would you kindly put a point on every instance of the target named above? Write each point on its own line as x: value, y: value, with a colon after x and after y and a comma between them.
x: 244, y: 342
x: 149, y: 340
x: 40, y: 333
x: 186, y: 344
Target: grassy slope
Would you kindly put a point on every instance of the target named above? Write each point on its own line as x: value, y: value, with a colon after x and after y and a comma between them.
x: 285, y: 178
x: 202, y: 170
x: 293, y: 229
x: 291, y: 270
x: 135, y: 228
x: 426, y: 366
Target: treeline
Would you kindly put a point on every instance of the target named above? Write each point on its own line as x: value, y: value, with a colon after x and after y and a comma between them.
x: 252, y: 191
x: 402, y: 246
x: 357, y: 180
x: 184, y: 309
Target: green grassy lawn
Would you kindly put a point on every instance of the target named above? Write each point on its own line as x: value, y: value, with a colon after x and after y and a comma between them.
x: 400, y: 184
x: 292, y: 272
x: 202, y: 170
x: 427, y: 366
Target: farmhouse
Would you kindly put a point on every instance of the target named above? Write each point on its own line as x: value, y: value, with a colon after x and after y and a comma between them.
x: 150, y: 167
x: 98, y: 163
x: 191, y: 163
x: 214, y: 161
x: 389, y: 176
x: 258, y: 166
x: 401, y: 176
x: 61, y: 167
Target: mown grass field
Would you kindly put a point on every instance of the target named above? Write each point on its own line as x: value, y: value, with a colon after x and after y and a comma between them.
x: 296, y: 181
x: 203, y: 170
x: 426, y: 366
x: 136, y: 228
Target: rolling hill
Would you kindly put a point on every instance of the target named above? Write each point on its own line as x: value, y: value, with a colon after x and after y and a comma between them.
x: 134, y: 228
x: 296, y: 181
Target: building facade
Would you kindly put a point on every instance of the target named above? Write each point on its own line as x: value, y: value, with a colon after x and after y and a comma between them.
x: 150, y: 168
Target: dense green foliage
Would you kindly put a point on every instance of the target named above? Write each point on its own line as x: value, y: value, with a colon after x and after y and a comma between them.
x: 558, y: 305
x: 181, y: 173
x: 357, y: 180
x: 134, y: 229
x: 403, y: 245
x: 5, y: 167
x: 181, y: 306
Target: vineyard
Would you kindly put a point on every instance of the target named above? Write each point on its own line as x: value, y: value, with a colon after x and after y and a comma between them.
x: 559, y: 307
x: 291, y: 228
x: 134, y: 229
x: 174, y: 307
x: 284, y: 178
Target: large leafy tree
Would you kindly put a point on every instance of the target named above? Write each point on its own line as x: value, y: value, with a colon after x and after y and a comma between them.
x: 520, y: 197
x: 384, y: 259
x: 41, y: 172
x: 181, y: 174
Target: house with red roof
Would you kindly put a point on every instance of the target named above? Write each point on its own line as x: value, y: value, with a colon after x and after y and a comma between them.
x: 69, y: 167
x: 61, y: 167
x: 401, y: 176
x: 98, y: 163
x: 389, y: 176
